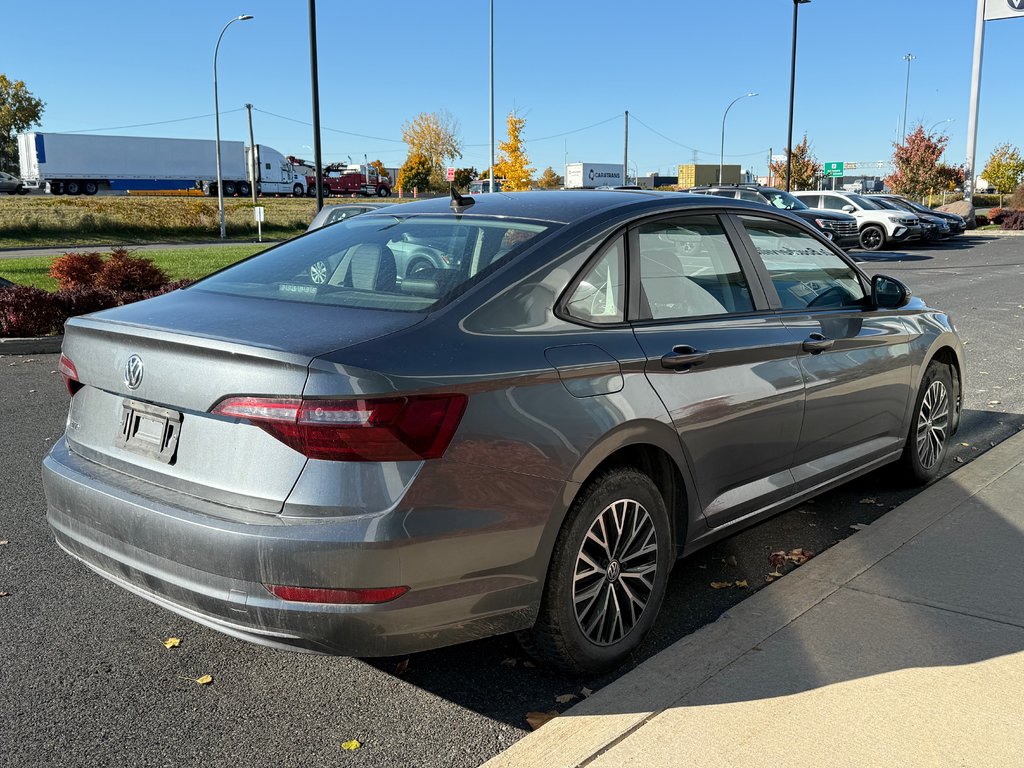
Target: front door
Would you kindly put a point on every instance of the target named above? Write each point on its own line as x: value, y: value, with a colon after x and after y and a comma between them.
x: 723, y: 364
x: 855, y: 358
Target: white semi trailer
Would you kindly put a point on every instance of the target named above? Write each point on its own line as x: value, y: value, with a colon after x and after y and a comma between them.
x: 593, y: 175
x: 83, y: 164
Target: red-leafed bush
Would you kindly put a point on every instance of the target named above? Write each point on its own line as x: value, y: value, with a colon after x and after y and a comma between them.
x: 82, y: 301
x: 75, y: 270
x: 1013, y: 220
x: 1017, y: 201
x: 124, y: 272
x: 28, y: 311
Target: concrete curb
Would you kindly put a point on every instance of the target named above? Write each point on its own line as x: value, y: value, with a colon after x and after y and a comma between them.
x: 614, y: 712
x: 38, y: 345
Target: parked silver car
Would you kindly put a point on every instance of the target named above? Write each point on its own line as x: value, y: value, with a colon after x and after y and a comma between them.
x: 526, y: 440
x: 12, y: 185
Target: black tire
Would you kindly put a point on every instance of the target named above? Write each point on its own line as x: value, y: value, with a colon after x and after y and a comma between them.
x: 90, y: 187
x: 56, y: 187
x: 872, y: 238
x: 244, y: 189
x: 417, y: 265
x: 573, y: 599
x: 72, y: 188
x: 229, y: 189
x: 931, y: 426
x: 384, y: 192
x: 297, y: 191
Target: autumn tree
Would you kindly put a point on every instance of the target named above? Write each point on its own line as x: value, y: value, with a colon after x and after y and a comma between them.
x: 463, y: 177
x: 19, y: 111
x: 549, y: 179
x: 1004, y: 169
x: 919, y: 171
x: 435, y: 137
x: 513, y: 165
x: 806, y: 167
x: 414, y: 173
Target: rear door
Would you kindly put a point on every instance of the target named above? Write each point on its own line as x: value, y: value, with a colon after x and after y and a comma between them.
x: 855, y: 358
x: 722, y: 363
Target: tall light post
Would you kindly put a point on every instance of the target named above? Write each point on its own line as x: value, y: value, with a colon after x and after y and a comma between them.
x: 906, y: 94
x: 216, y: 118
x: 721, y: 159
x: 490, y: 166
x: 792, y: 91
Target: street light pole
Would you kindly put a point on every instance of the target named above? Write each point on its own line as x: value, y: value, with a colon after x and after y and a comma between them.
x: 216, y: 119
x: 906, y: 94
x: 721, y: 159
x: 792, y: 91
x: 490, y: 167
x: 314, y: 82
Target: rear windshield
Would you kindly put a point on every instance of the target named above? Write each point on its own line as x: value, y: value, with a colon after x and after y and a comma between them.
x: 403, y: 263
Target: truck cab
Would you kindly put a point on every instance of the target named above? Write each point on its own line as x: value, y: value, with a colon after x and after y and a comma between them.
x: 352, y: 180
x: 275, y: 174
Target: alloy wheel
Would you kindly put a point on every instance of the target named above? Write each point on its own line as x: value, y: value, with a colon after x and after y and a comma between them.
x: 932, y: 424
x: 615, y: 571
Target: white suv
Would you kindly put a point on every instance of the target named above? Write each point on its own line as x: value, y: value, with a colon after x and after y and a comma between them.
x: 878, y: 226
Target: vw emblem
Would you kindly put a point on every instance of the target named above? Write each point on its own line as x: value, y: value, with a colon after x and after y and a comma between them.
x: 1017, y: 5
x: 133, y: 372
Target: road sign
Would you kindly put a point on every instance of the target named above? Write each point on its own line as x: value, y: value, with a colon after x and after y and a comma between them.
x: 451, y: 174
x: 833, y: 169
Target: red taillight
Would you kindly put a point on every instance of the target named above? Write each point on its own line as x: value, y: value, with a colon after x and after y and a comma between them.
x: 376, y: 429
x: 339, y: 596
x: 67, y: 369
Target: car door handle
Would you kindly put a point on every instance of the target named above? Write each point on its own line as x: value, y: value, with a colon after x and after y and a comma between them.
x: 816, y: 344
x: 682, y: 356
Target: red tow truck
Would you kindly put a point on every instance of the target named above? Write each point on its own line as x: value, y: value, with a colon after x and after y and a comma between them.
x: 352, y: 180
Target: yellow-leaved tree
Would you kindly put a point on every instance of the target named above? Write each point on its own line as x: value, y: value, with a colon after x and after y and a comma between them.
x: 513, y: 165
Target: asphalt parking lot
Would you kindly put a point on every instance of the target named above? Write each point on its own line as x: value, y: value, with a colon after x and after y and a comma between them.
x: 88, y: 681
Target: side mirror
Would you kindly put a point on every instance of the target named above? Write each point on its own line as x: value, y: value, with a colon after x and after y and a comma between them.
x: 888, y: 292
x: 849, y: 208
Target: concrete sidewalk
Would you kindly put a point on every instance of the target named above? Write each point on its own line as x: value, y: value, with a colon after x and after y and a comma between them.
x: 902, y: 645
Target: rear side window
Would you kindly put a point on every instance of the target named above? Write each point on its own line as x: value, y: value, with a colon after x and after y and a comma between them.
x: 688, y: 269
x: 805, y: 273
x: 404, y: 263
x: 600, y: 296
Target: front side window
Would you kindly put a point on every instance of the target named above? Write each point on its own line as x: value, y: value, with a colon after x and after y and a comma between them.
x: 600, y: 296
x: 833, y: 202
x: 805, y: 273
x: 404, y: 263
x: 688, y: 269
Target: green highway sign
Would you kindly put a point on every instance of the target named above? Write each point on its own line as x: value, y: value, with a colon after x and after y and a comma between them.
x: 833, y: 169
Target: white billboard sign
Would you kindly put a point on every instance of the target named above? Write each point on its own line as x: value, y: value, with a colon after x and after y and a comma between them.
x: 1004, y: 9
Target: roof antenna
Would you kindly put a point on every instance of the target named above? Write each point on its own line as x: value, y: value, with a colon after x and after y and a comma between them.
x: 460, y: 201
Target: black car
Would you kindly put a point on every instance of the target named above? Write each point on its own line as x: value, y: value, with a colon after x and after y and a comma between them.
x: 957, y: 225
x: 838, y: 227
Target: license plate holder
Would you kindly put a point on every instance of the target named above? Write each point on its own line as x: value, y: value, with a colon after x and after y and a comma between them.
x: 149, y: 430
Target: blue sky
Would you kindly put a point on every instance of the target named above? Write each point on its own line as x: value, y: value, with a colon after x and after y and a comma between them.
x: 571, y: 67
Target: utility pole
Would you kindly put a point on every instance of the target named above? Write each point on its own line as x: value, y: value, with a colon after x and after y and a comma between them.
x: 317, y: 157
x: 625, y: 153
x: 253, y: 160
x: 792, y: 93
x: 906, y: 94
x: 490, y: 167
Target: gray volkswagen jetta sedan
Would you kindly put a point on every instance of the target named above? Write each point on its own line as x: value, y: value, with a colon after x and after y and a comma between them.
x: 524, y: 439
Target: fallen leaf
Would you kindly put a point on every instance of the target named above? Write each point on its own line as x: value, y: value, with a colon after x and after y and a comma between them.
x: 995, y: 402
x: 536, y: 719
x: 401, y: 667
x: 172, y: 642
x: 5, y: 594
x: 775, y: 575
x: 4, y: 541
x: 868, y: 500
x: 351, y: 745
x: 731, y: 560
x: 529, y: 664
x: 585, y: 692
x: 859, y: 526
x: 510, y: 662
x: 958, y: 460
x: 565, y: 698
x: 727, y: 584
x: 205, y: 679
x: 796, y: 556
x: 966, y: 445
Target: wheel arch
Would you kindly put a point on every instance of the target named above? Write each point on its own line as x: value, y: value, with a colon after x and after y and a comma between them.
x: 948, y: 356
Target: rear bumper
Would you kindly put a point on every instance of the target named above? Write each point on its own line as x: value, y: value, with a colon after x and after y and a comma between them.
x: 212, y: 569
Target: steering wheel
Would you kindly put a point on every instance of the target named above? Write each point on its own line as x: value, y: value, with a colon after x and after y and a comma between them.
x: 830, y: 291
